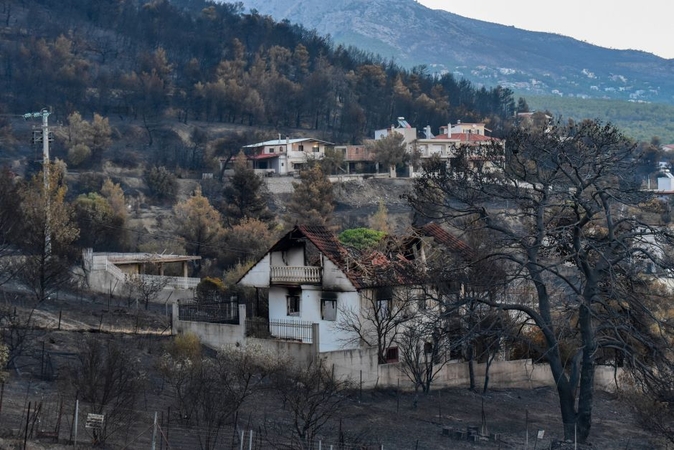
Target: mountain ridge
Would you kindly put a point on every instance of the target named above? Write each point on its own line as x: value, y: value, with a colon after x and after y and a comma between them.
x: 484, y: 53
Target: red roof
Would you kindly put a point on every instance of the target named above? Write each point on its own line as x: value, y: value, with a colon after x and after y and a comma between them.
x: 363, y: 269
x: 470, y: 137
x: 370, y: 268
x: 445, y: 238
x: 263, y: 156
x: 467, y: 137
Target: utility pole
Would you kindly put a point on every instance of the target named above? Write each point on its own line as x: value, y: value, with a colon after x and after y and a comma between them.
x: 44, y: 114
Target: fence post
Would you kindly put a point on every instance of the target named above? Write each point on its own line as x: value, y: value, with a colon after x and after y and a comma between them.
x: 250, y: 440
x: 2, y: 395
x: 77, y: 413
x: 526, y: 436
x: 243, y: 435
x: 316, y: 340
x: 25, y: 435
x: 154, y: 432
x: 360, y: 389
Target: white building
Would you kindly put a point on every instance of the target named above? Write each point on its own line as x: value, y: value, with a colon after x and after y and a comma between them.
x: 285, y: 156
x: 445, y: 145
x: 666, y: 182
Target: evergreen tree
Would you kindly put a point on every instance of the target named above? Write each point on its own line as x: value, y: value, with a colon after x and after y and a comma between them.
x: 200, y: 224
x: 48, y: 232
x: 245, y: 195
x: 312, y: 201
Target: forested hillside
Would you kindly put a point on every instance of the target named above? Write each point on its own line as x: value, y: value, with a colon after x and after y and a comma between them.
x: 196, y: 60
x: 640, y: 121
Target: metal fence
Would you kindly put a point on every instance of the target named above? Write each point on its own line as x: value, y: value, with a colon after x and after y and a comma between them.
x: 220, y: 312
x: 37, y: 420
x: 293, y: 330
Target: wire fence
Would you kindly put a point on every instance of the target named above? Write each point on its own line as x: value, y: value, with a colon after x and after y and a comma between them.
x: 27, y: 416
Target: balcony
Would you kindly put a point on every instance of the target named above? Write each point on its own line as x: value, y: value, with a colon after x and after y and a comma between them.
x: 296, y: 274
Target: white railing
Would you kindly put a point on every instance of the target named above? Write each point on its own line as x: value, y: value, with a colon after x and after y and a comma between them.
x: 295, y: 274
x: 171, y: 282
x: 101, y: 262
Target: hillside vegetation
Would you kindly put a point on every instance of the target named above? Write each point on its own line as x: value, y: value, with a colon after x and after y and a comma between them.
x: 204, y: 61
x: 640, y: 121
x: 485, y: 53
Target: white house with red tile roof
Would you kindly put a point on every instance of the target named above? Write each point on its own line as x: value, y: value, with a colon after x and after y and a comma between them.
x: 445, y: 145
x: 285, y: 156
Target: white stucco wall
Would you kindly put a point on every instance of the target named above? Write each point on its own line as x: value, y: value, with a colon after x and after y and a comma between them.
x: 331, y: 339
x: 292, y: 257
x: 258, y: 275
x: 334, y: 279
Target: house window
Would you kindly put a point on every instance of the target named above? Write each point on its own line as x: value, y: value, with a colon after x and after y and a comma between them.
x: 328, y: 309
x: 271, y: 150
x: 391, y: 355
x: 300, y: 147
x: 293, y: 304
x: 422, y: 305
x: 384, y: 297
x: 428, y: 348
x: 383, y: 308
x: 280, y: 149
x: 315, y: 148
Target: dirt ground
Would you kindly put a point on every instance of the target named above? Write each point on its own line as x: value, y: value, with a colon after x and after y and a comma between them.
x: 369, y: 419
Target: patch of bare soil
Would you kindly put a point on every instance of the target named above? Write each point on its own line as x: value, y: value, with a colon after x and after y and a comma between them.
x: 396, y: 420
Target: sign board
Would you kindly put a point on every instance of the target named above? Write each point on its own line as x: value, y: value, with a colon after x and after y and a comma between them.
x: 541, y: 434
x: 94, y: 421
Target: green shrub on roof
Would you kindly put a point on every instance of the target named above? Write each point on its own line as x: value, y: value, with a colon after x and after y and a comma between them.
x: 360, y: 238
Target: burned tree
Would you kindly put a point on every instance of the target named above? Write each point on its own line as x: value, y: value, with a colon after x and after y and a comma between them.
x: 560, y: 212
x: 312, y: 396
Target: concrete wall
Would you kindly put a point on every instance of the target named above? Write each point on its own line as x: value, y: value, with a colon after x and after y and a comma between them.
x: 217, y: 335
x: 298, y: 352
x: 214, y: 335
x: 360, y: 365
x: 353, y: 364
x: 502, y: 375
x: 105, y: 283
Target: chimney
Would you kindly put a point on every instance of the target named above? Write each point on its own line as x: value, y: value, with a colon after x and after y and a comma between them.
x: 428, y: 133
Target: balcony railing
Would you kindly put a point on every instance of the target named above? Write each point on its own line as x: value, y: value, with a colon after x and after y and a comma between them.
x: 296, y: 274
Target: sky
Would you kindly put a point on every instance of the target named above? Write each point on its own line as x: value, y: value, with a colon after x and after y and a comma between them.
x: 644, y: 25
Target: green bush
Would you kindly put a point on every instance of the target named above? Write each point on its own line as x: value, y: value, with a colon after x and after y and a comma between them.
x: 361, y: 238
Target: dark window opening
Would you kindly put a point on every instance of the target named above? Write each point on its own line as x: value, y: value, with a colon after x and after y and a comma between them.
x: 293, y: 305
x: 391, y: 355
x: 329, y: 309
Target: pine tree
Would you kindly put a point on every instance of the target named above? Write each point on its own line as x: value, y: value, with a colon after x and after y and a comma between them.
x: 245, y: 195
x: 312, y: 201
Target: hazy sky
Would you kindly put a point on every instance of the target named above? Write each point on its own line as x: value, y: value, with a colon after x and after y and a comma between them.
x: 642, y: 25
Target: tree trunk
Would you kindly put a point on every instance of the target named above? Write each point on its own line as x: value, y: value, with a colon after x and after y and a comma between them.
x: 490, y: 359
x: 586, y: 391
x: 471, y: 366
